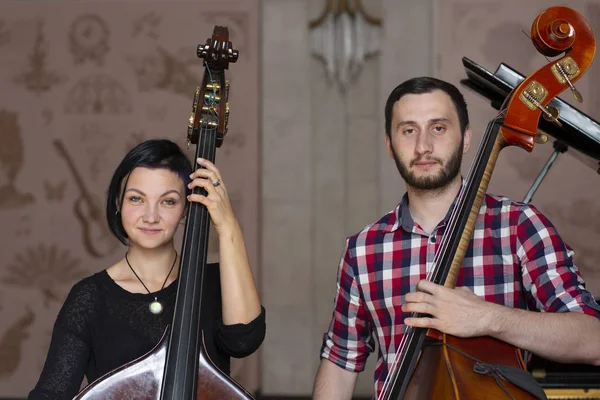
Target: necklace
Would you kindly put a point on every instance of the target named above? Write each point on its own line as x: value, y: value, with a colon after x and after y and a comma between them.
x: 155, y: 307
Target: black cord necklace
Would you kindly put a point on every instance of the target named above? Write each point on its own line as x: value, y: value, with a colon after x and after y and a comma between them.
x: 155, y: 307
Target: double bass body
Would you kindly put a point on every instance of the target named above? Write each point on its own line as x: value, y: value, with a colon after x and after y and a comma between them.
x: 445, y: 373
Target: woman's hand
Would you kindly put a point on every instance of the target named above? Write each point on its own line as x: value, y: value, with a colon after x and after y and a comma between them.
x: 217, y: 201
x: 239, y: 297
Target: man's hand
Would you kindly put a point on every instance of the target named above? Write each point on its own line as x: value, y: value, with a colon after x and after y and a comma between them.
x: 458, y: 312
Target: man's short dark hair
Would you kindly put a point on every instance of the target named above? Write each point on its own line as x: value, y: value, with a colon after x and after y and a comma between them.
x: 425, y: 84
x: 153, y: 154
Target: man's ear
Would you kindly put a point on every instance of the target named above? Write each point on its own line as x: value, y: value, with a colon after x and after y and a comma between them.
x: 467, y: 139
x: 388, y: 145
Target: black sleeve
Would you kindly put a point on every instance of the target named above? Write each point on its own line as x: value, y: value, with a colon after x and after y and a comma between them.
x: 241, y: 340
x: 69, y: 350
x: 238, y: 340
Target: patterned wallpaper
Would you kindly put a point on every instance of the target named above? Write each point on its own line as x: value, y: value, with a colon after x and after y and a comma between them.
x: 79, y: 86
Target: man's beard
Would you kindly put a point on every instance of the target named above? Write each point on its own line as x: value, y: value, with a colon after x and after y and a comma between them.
x: 449, y: 171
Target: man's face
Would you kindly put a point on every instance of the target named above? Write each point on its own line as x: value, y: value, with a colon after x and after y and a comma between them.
x: 425, y: 140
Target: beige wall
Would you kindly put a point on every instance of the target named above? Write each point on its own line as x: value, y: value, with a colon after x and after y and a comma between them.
x: 314, y: 172
x: 341, y: 177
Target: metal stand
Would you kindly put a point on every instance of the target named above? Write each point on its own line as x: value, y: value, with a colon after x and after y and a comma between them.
x: 559, y: 147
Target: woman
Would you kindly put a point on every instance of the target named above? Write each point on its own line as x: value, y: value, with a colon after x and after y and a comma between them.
x: 120, y: 313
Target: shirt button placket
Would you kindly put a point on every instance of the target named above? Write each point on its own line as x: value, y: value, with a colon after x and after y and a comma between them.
x: 431, y: 247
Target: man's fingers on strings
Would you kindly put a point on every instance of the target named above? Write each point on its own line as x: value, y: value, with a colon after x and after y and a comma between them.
x: 418, y: 297
x: 423, y: 308
x: 421, y: 322
x: 429, y: 287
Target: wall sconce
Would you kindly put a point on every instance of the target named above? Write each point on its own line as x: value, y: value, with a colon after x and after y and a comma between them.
x: 343, y: 37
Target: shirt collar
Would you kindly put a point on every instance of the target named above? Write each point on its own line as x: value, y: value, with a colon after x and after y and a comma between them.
x: 404, y: 219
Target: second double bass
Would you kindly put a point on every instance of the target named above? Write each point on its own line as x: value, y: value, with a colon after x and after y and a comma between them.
x: 432, y: 365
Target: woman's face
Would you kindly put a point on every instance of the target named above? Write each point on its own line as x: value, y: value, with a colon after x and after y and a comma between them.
x: 153, y: 205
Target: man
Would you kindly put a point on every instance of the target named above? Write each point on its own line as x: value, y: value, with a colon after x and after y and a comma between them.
x: 382, y: 273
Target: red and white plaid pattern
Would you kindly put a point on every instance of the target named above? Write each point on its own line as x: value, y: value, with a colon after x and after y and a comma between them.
x: 515, y: 258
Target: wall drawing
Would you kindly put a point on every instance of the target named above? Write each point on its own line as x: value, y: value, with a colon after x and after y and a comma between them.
x: 97, y: 141
x: 163, y: 70
x: 97, y: 239
x: 89, y: 39
x: 98, y: 94
x: 11, y: 344
x: 12, y: 157
x: 37, y: 78
x: 45, y: 268
x: 146, y: 25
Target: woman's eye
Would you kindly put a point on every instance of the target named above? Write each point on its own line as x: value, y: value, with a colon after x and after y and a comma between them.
x: 170, y: 202
x: 135, y: 199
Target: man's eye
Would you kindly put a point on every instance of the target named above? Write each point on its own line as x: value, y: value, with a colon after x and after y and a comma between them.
x: 408, y: 131
x: 439, y: 128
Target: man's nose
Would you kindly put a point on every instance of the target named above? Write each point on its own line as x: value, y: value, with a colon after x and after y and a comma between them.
x: 424, y: 143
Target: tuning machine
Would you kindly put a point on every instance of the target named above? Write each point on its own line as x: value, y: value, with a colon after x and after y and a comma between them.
x: 564, y: 71
x: 533, y: 95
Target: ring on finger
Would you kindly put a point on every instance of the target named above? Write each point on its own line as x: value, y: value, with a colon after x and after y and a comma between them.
x: 217, y: 182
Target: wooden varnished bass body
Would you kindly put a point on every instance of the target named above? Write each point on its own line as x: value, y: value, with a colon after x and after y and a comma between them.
x: 179, y: 367
x: 141, y: 379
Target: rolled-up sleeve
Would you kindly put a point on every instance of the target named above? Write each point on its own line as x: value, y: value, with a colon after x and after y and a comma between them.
x: 348, y: 341
x: 550, y: 276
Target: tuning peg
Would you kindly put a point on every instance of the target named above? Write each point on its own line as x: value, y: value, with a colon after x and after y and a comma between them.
x: 574, y: 90
x: 564, y: 70
x: 550, y: 113
x: 232, y: 55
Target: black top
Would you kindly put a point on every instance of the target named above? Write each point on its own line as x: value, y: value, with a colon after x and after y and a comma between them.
x: 101, y: 327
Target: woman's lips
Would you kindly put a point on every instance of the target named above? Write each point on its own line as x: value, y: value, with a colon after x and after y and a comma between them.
x: 149, y: 231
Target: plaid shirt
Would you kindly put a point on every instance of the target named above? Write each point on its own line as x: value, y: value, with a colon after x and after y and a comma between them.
x: 515, y: 258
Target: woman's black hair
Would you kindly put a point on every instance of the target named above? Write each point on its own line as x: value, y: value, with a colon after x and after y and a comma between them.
x: 153, y: 154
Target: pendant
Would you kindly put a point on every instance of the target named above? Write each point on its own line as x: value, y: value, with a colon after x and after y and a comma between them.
x: 155, y: 307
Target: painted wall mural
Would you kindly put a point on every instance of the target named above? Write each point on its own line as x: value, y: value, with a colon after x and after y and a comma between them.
x: 79, y: 87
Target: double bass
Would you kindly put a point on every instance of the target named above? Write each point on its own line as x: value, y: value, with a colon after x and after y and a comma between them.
x: 179, y: 368
x: 429, y: 364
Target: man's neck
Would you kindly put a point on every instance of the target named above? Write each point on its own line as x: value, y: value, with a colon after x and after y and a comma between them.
x: 429, y: 207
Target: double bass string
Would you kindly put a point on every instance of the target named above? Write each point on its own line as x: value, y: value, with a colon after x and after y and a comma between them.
x: 205, y: 149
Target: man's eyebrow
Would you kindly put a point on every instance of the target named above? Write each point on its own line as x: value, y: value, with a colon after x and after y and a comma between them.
x: 446, y: 120
x: 431, y: 121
